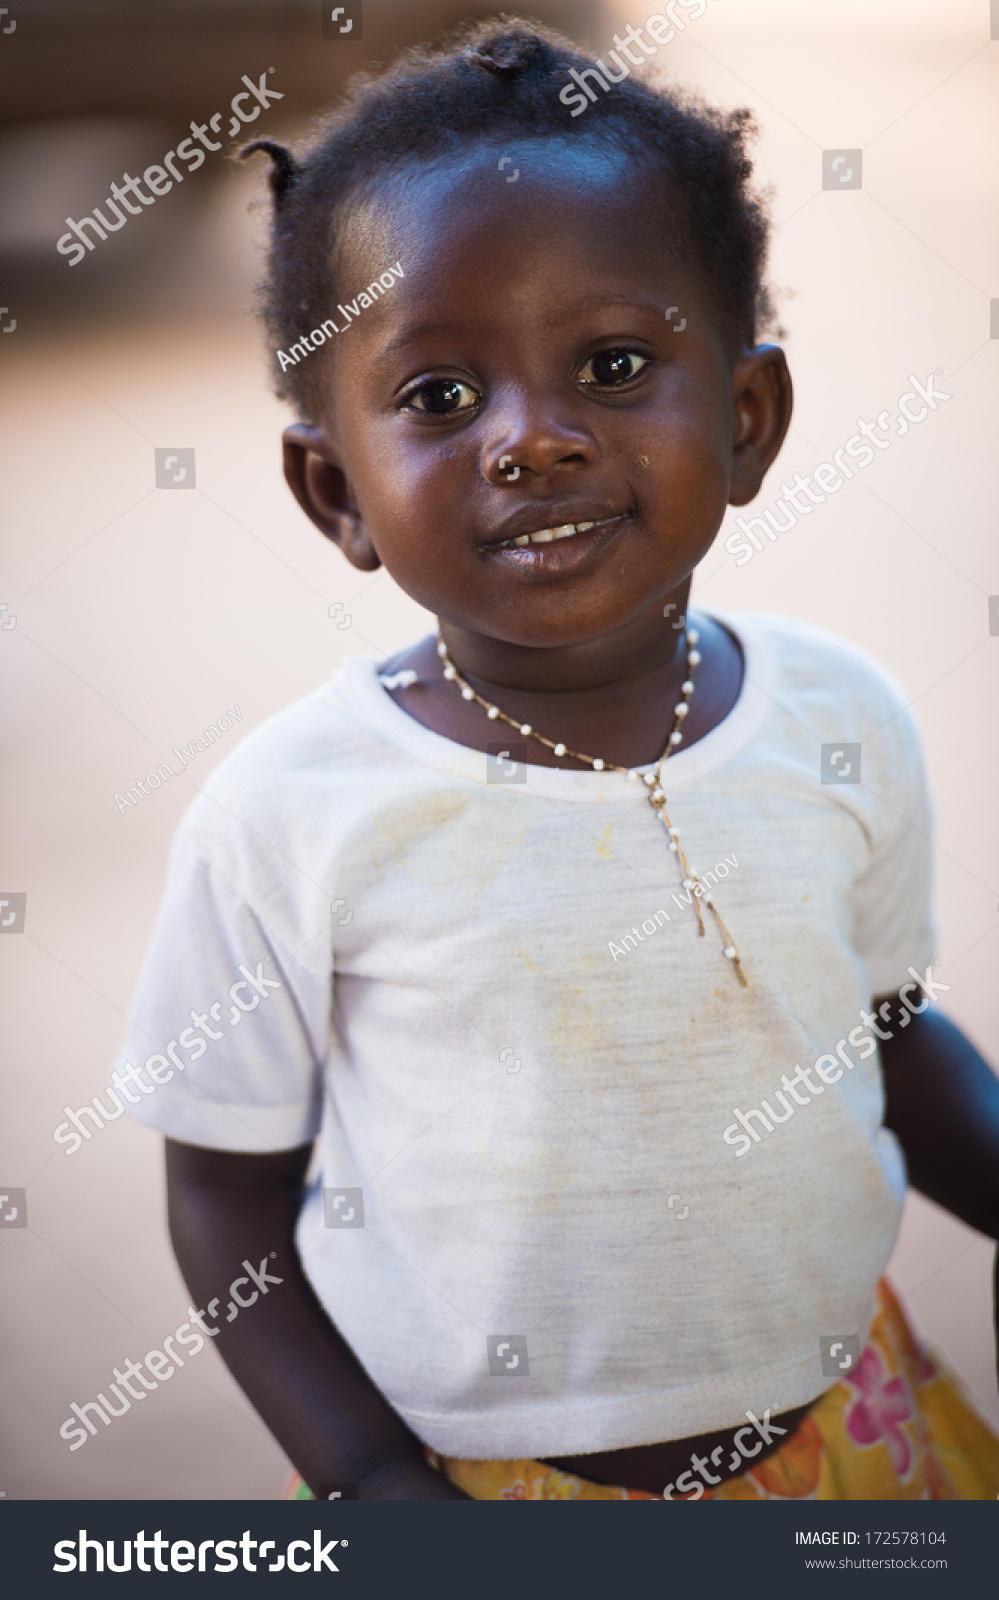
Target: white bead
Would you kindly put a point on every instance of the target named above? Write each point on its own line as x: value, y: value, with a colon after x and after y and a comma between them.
x: 559, y: 748
x: 680, y: 710
x: 688, y: 883
x: 598, y: 765
x: 673, y: 833
x: 692, y: 636
x: 706, y: 898
x: 450, y: 674
x: 468, y: 694
x: 672, y: 845
x: 731, y: 952
x: 493, y: 713
x: 525, y: 727
x: 675, y: 738
x: 657, y: 794
x: 650, y: 779
x: 688, y: 686
x: 693, y: 658
x: 441, y: 648
x: 633, y: 774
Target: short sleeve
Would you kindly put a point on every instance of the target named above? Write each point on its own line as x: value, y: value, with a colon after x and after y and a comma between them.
x: 229, y: 1034
x: 893, y: 926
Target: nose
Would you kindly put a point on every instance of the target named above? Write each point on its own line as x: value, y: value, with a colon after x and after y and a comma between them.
x: 537, y: 446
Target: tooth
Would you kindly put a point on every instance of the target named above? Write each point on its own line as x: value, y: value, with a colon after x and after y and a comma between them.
x: 549, y: 535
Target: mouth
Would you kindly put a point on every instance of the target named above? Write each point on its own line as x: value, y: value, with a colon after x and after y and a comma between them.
x: 562, y: 550
x: 565, y: 530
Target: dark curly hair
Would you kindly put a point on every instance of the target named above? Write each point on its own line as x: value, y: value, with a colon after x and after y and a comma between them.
x: 492, y: 78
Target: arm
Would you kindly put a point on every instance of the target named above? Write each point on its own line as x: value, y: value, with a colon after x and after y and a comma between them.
x: 285, y: 1354
x: 942, y: 1101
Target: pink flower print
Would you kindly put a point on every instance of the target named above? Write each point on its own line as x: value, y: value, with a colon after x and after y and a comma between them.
x: 879, y: 1410
x: 516, y: 1491
x: 927, y: 1368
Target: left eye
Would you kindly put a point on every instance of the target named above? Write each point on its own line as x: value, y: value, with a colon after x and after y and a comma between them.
x: 612, y: 367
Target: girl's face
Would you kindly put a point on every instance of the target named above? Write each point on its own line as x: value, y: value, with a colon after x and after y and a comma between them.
x: 546, y: 363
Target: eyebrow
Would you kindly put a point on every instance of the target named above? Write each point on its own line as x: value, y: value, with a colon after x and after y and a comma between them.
x: 597, y: 301
x: 412, y: 335
x: 425, y: 330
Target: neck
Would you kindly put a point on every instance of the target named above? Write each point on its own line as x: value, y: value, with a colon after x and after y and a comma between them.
x: 641, y: 658
x: 618, y: 706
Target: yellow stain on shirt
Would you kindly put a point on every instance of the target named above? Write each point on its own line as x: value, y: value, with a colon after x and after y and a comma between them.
x: 436, y: 840
x: 535, y: 1182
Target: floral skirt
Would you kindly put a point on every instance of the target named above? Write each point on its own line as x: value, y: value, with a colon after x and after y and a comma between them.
x: 898, y: 1427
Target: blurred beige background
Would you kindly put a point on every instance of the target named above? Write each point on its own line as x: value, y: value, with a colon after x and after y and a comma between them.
x: 141, y: 615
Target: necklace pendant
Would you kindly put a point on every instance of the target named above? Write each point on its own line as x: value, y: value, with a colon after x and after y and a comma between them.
x: 653, y: 779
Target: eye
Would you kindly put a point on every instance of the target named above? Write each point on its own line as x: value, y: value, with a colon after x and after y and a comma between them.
x: 442, y: 397
x: 612, y: 367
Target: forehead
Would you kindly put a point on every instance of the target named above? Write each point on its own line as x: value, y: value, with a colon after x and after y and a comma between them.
x: 508, y: 209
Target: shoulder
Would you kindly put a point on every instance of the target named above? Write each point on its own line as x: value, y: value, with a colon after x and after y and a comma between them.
x: 827, y: 690
x: 820, y: 667
x: 285, y: 784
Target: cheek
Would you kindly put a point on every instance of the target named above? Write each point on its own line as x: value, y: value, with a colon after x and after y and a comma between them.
x: 415, y: 503
x: 686, y: 483
x: 690, y: 457
x: 403, y: 487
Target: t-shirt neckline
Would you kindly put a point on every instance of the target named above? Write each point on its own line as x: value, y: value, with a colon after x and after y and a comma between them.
x: 358, y: 676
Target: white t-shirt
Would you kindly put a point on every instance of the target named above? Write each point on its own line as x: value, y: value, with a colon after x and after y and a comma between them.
x: 521, y: 1115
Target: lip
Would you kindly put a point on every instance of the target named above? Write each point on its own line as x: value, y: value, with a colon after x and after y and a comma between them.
x: 556, y: 514
x: 562, y: 557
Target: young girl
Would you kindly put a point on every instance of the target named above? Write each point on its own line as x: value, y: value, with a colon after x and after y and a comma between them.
x: 607, y: 1174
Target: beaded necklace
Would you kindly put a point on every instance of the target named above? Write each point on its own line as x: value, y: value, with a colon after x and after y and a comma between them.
x: 656, y: 795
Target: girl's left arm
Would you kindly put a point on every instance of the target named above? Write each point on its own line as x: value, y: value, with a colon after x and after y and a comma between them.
x: 942, y: 1102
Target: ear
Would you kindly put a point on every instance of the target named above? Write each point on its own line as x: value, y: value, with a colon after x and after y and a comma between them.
x: 762, y: 401
x: 313, y: 473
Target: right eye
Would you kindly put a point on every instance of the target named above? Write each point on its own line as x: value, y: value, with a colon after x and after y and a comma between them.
x: 610, y: 368
x: 443, y: 397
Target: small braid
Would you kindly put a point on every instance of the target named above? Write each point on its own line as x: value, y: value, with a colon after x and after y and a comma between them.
x: 503, y: 57
x: 284, y: 171
x: 491, y: 80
